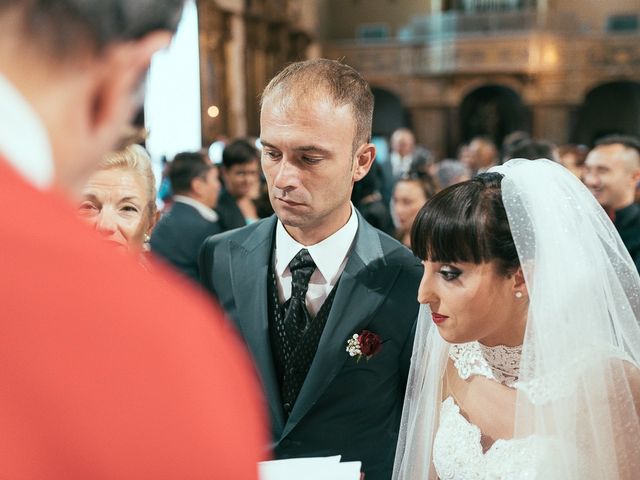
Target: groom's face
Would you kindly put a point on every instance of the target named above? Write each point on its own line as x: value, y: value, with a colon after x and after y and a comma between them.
x: 309, y: 163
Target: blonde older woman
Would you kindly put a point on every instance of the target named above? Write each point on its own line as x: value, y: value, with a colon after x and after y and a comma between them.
x: 119, y: 199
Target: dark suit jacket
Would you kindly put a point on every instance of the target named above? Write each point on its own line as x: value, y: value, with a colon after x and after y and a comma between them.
x: 627, y: 222
x: 344, y: 407
x: 179, y: 235
x: 230, y: 215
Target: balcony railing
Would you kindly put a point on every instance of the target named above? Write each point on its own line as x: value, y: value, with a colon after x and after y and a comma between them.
x: 530, y: 53
x: 453, y: 24
x: 491, y: 5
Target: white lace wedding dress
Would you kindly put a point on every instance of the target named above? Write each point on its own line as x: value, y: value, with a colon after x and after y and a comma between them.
x: 457, y: 450
x: 458, y: 455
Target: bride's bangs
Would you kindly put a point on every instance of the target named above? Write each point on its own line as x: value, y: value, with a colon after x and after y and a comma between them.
x: 452, y: 227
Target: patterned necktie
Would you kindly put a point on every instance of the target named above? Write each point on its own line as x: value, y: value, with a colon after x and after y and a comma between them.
x: 296, y: 318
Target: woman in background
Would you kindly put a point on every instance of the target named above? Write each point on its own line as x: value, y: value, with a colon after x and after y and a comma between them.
x: 241, y: 177
x: 119, y: 199
x: 410, y: 193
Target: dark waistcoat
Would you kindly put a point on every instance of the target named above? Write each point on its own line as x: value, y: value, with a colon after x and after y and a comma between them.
x: 293, y: 351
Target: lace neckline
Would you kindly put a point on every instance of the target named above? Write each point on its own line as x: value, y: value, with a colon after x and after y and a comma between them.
x: 499, y: 363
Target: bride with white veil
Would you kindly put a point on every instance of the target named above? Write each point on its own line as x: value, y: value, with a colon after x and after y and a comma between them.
x: 532, y: 369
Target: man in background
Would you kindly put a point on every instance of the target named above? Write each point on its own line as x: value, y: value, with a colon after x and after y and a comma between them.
x: 107, y: 372
x: 482, y: 154
x: 241, y: 175
x: 612, y: 173
x: 405, y: 158
x: 179, y: 234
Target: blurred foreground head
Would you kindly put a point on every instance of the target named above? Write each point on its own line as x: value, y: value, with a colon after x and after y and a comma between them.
x: 81, y: 65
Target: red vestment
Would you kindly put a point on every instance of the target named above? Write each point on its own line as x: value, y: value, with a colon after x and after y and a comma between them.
x: 108, y: 371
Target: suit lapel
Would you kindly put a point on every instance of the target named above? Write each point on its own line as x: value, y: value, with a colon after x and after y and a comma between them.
x: 360, y: 293
x: 249, y: 267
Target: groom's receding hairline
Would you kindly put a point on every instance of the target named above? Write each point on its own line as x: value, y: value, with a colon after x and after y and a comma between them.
x: 327, y: 79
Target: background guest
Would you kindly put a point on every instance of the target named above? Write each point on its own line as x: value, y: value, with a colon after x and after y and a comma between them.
x: 531, y: 149
x: 405, y: 158
x: 410, y: 194
x: 612, y: 172
x: 450, y: 172
x: 119, y: 199
x: 511, y: 139
x: 179, y: 234
x: 241, y: 177
x: 366, y: 197
x: 481, y: 155
x: 573, y: 157
x: 464, y: 155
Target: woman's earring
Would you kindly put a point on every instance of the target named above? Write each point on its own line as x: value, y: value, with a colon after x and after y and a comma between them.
x: 518, y: 294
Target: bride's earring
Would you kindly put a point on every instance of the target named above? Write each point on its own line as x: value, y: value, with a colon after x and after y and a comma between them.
x: 518, y: 294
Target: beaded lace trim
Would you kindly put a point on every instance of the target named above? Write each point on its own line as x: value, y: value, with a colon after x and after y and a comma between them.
x: 499, y: 363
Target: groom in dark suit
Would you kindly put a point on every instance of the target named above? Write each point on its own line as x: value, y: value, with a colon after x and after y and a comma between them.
x: 301, y: 284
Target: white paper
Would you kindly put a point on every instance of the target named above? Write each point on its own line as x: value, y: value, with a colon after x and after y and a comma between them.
x: 312, y: 468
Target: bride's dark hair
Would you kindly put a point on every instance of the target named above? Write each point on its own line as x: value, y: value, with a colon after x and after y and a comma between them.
x: 466, y: 222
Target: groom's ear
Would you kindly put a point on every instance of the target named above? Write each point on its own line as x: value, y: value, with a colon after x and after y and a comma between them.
x: 519, y: 285
x: 364, y: 158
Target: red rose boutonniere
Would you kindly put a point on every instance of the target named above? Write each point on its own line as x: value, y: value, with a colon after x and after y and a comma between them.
x: 365, y: 344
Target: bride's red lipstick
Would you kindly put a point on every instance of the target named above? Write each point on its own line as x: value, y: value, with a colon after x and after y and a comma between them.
x: 438, y: 319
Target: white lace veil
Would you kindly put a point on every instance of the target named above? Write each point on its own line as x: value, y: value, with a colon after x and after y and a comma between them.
x: 579, y: 386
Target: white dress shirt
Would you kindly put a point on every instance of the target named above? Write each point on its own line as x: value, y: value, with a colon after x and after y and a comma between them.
x: 206, y: 212
x: 330, y: 257
x: 24, y: 140
x: 400, y: 165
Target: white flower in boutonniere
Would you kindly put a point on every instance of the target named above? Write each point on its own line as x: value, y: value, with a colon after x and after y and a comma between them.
x: 365, y: 344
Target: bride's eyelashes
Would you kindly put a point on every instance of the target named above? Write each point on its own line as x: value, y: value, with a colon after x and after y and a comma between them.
x: 449, y: 273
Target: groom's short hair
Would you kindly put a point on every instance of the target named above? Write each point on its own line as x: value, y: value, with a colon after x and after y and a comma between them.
x: 319, y: 78
x: 57, y: 25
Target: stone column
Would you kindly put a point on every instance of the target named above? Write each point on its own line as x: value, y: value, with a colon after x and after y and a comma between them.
x: 236, y: 77
x: 213, y: 35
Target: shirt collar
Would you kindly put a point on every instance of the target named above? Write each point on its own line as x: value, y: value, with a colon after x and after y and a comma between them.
x: 328, y: 254
x: 24, y: 140
x: 206, y: 212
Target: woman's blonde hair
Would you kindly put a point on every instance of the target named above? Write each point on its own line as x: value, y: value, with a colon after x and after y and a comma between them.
x: 136, y: 159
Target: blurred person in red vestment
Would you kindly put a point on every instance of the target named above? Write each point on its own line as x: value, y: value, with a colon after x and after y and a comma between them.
x: 107, y: 372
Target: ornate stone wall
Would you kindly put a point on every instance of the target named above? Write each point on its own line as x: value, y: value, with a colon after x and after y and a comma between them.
x: 243, y: 43
x: 552, y: 74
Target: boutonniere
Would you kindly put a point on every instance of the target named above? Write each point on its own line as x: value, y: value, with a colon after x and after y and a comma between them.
x: 364, y: 344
